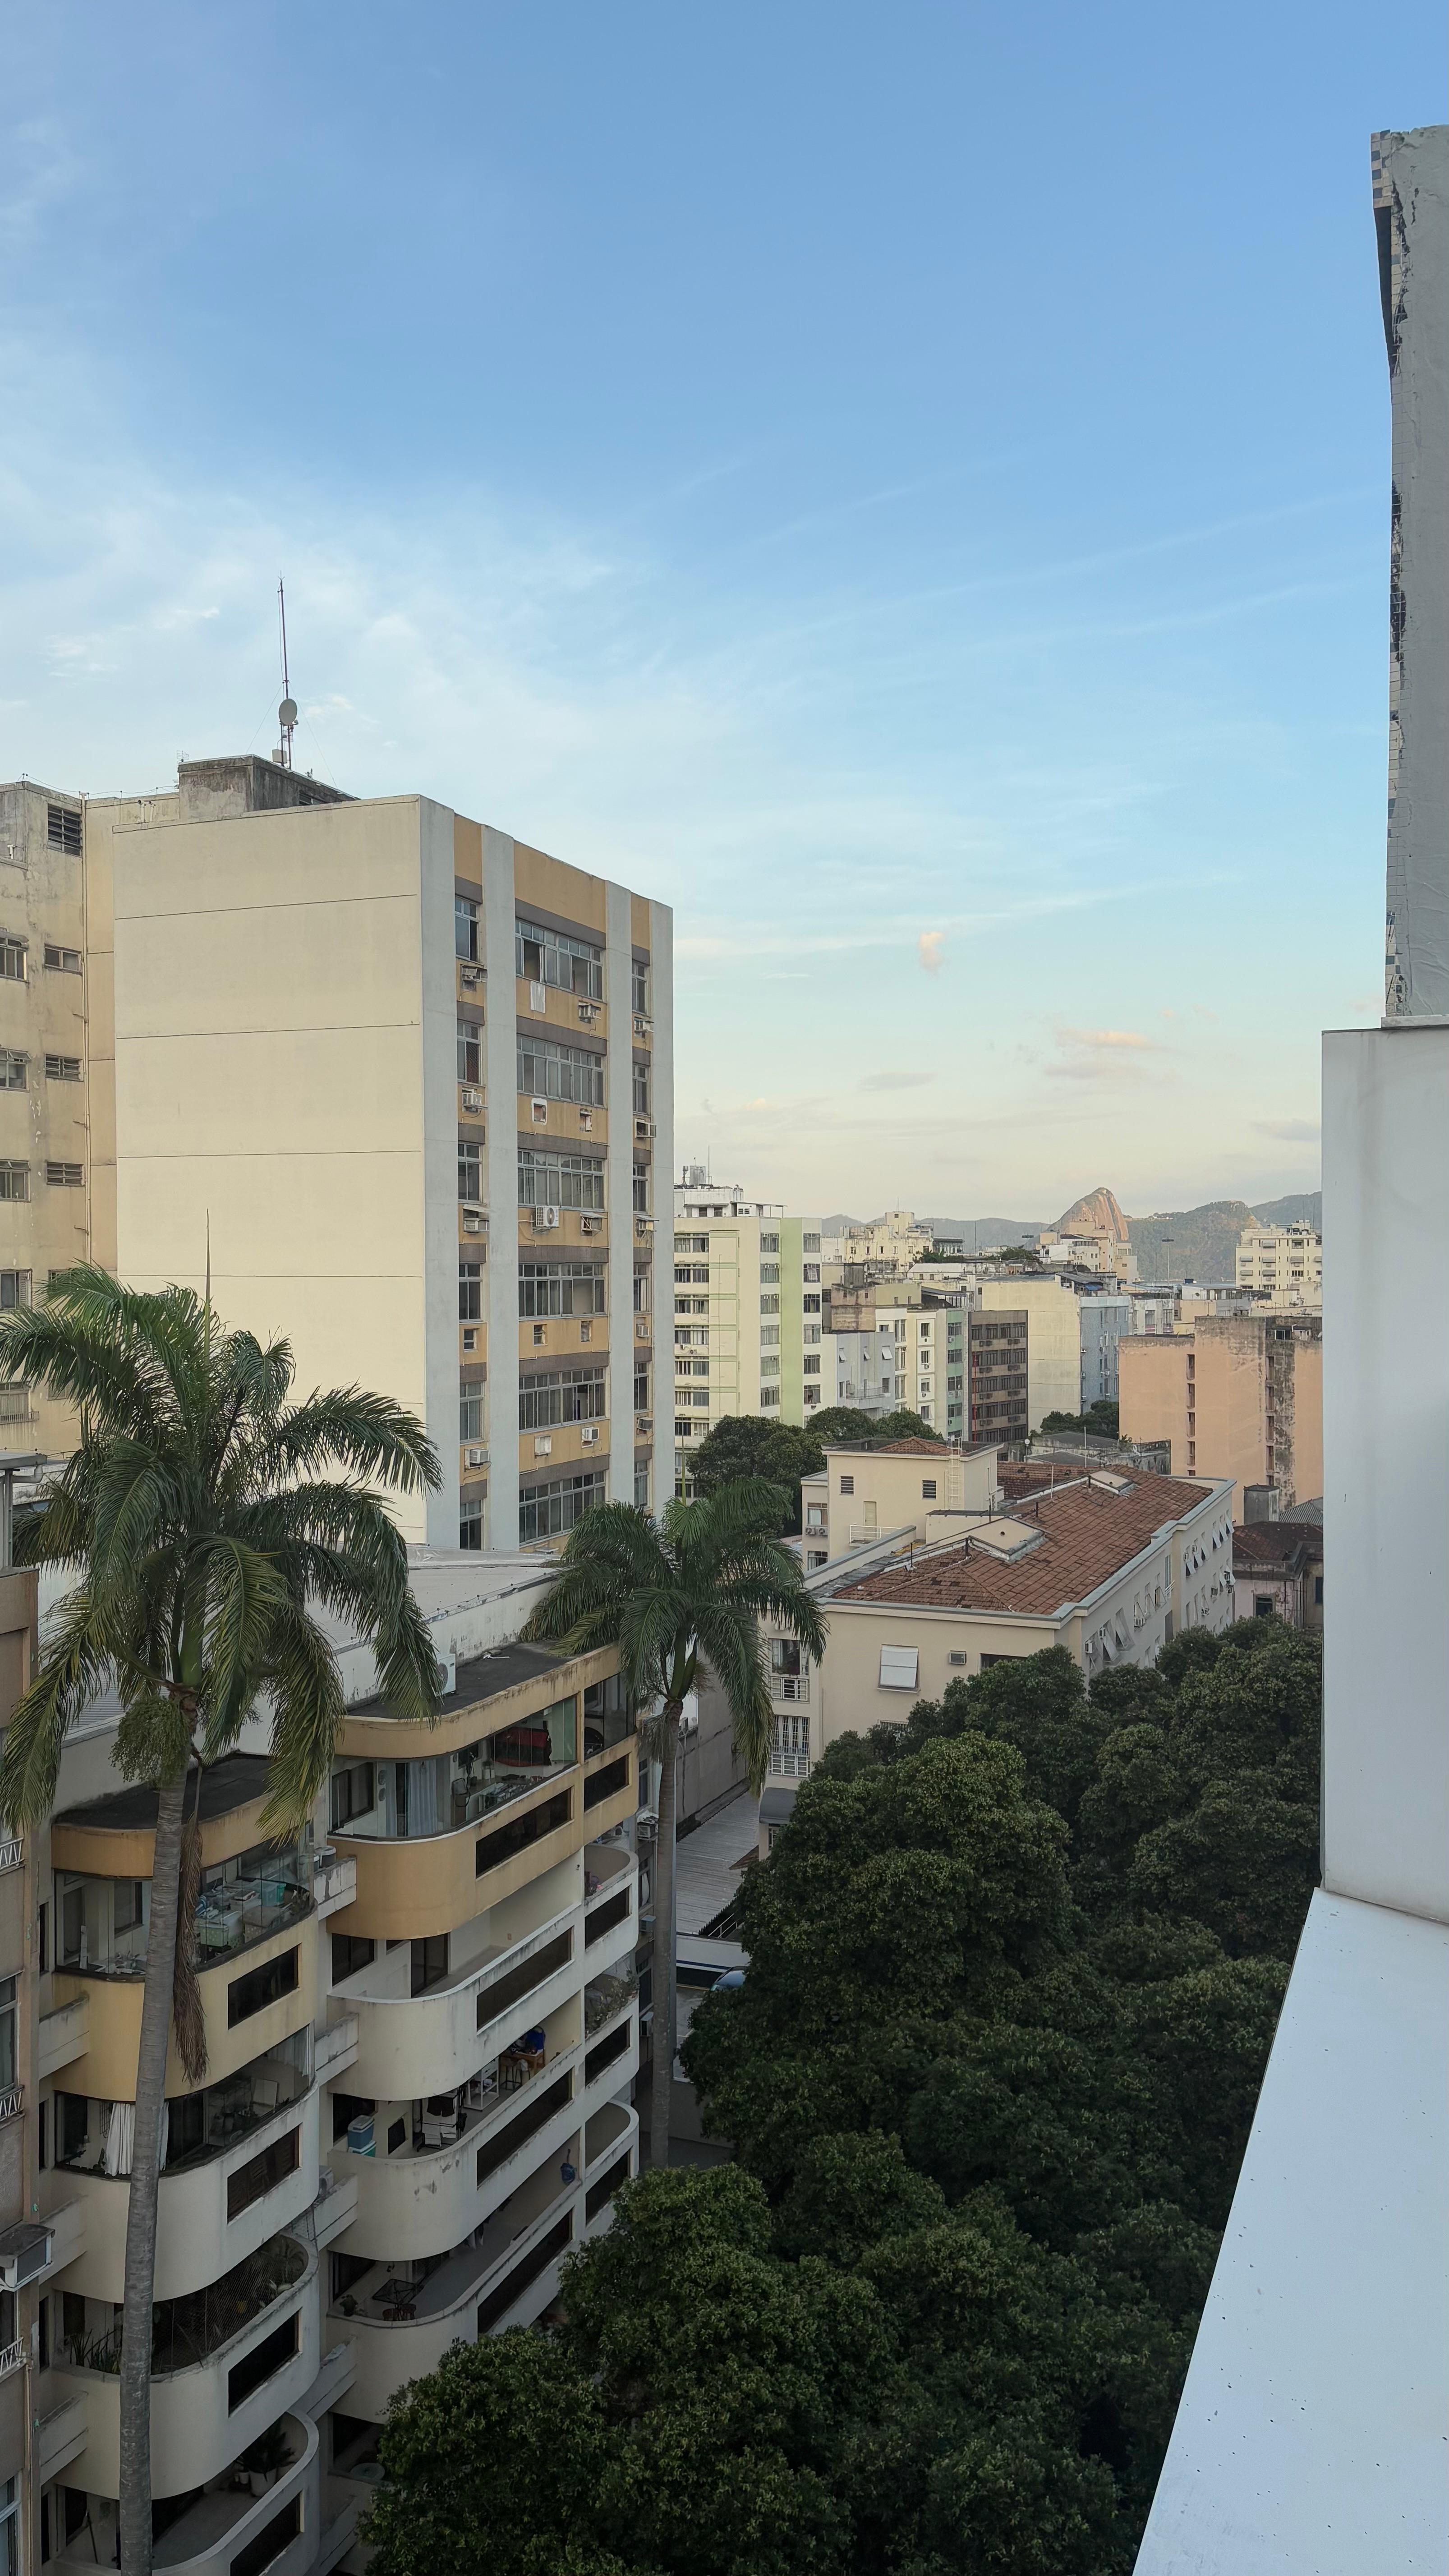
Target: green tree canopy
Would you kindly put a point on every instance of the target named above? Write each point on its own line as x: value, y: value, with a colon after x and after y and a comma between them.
x: 773, y: 1453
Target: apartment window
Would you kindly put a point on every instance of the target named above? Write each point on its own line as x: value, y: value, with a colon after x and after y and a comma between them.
x: 12, y: 959
x: 470, y: 1523
x: 470, y: 1292
x: 811, y: 1364
x: 262, y: 1986
x: 553, y: 957
x: 769, y: 1367
x: 641, y: 1189
x: 810, y: 1305
x: 12, y: 1068
x: 639, y: 984
x: 470, y: 1171
x: 469, y: 1052
x: 548, y: 1070
x: 769, y: 1243
x: 560, y: 1288
x: 847, y: 1484
x: 784, y: 1655
x: 63, y: 829
x: 691, y: 1243
x: 470, y: 1413
x: 1262, y: 1605
x: 641, y: 1390
x: 14, y: 1180
x: 810, y: 1243
x: 546, y: 1511
x: 641, y: 1489
x: 560, y: 1180
x: 252, y: 2181
x: 563, y: 1395
x: 465, y: 929
x: 62, y: 961
x: 769, y: 1274
x: 898, y: 1665
x: 769, y: 1395
x: 928, y: 1489
x: 641, y: 1089
x: 354, y: 1793
x: 769, y: 1337
x: 810, y: 1271
x: 64, y: 1176
x: 641, y: 1292
x: 769, y: 1305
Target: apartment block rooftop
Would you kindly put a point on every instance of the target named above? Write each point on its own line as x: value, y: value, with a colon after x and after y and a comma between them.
x: 1055, y: 1548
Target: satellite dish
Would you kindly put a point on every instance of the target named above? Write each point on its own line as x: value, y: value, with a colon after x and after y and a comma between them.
x: 287, y: 712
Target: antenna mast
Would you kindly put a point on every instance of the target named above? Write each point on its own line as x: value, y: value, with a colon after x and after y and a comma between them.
x: 287, y: 711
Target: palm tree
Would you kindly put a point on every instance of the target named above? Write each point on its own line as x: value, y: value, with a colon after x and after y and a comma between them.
x: 682, y: 1599
x: 199, y: 1533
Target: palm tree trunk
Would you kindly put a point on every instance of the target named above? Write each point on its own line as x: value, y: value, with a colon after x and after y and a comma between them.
x: 145, y: 2178
x: 661, y: 1980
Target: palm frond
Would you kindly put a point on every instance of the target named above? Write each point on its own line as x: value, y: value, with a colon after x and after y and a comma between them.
x: 369, y: 1435
x: 307, y: 1707
x: 247, y: 1595
x: 730, y: 1645
x: 75, y: 1669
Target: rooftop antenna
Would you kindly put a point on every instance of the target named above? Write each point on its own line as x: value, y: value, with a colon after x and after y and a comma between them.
x: 287, y: 711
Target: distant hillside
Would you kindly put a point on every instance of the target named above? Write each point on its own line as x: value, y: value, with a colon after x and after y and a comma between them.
x: 1304, y: 1209
x: 1201, y: 1243
x: 973, y: 1231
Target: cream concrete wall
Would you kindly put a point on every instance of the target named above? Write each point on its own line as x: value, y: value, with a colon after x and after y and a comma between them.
x: 1152, y: 1391
x: 269, y: 1078
x: 1053, y: 1341
x: 195, y: 2240
x: 890, y: 1491
x: 656, y: 931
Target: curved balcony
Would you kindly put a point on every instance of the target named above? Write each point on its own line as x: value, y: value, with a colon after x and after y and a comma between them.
x: 611, y: 2158
x: 410, y: 2046
x: 400, y: 2326
x: 206, y: 2409
x: 235, y: 2518
x: 216, y: 2207
x: 414, y: 1885
x: 249, y: 2004
x: 431, y: 2193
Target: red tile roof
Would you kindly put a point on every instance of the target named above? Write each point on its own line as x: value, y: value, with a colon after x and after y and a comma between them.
x: 1091, y: 1534
x: 912, y: 1448
x: 1286, y: 1544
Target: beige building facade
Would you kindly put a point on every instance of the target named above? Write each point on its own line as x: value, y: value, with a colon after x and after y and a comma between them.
x: 1240, y: 1396
x: 1283, y: 1262
x: 1054, y: 1340
x: 747, y: 1299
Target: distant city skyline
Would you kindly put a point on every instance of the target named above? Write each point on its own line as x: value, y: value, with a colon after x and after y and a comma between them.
x: 917, y: 508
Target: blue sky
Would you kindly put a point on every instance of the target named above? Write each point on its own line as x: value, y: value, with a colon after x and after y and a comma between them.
x: 907, y: 487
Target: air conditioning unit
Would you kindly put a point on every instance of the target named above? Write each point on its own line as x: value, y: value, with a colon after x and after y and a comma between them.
x: 476, y: 1457
x: 642, y: 1024
x: 586, y: 1120
x: 589, y: 1434
x: 25, y: 2252
x: 590, y: 1224
x: 540, y: 1112
x: 641, y: 1328
x: 588, y: 1013
x: 472, y: 1100
x: 643, y: 1421
x: 644, y: 1225
x: 470, y: 975
x: 547, y: 1217
x: 543, y: 1448
x: 642, y: 1131
x: 474, y: 1221
x: 538, y: 997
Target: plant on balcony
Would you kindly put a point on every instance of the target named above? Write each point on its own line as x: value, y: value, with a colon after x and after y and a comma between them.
x: 682, y: 1599
x: 202, y: 1518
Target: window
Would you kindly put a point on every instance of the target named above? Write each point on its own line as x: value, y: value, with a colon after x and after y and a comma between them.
x: 769, y: 1305
x: 465, y: 929
x: 769, y: 1395
x: 769, y: 1337
x: 810, y: 1243
x: 62, y: 961
x: 898, y: 1667
x: 641, y: 1389
x: 769, y: 1274
x: 560, y: 1288
x: 470, y: 1292
x: 769, y: 1243
x: 1262, y: 1605
x: 562, y: 1395
x: 470, y: 1171
x: 683, y: 1430
x: 810, y: 1271
x: 548, y: 1070
x: 468, y: 1052
x: 1318, y: 1592
x: 260, y: 1987
x: 470, y: 1522
x: 428, y: 1966
x: 769, y: 1367
x: 470, y: 1413
x: 847, y: 1484
x: 639, y: 984
x: 12, y: 959
x: 641, y: 1189
x: 641, y: 1489
x: 265, y: 2358
x: 691, y: 1243
x: 354, y: 1790
x: 560, y: 1180
x: 12, y: 1068
x: 641, y: 1089
x: 810, y: 1305
x: 555, y: 957
x: 63, y: 829
x: 64, y: 1176
x: 58, y: 1068
x: 784, y: 1655
x: 641, y: 1292
x: 545, y: 1511
x: 14, y: 1180
x: 811, y: 1364
x: 252, y: 2181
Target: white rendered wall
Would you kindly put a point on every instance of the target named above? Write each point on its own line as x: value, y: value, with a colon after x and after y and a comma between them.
x: 501, y: 1034
x: 618, y: 1187
x: 1386, y: 1465
x: 661, y: 995
x: 438, y: 1033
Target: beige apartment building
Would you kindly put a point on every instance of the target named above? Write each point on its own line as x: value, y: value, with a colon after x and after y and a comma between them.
x: 903, y: 1491
x: 421, y: 2024
x: 1283, y: 1262
x: 405, y: 1081
x: 1107, y: 1566
x: 1054, y: 1346
x: 1240, y: 1397
x: 747, y: 1310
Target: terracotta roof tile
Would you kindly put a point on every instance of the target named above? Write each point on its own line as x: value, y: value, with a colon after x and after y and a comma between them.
x: 1090, y: 1534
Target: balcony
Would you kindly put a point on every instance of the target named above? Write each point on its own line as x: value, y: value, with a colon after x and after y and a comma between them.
x: 64, y: 2035
x: 403, y: 2316
x: 452, y: 2028
x: 335, y: 2048
x: 243, y: 2520
x: 611, y: 2158
x: 225, y: 2363
x: 334, y: 1880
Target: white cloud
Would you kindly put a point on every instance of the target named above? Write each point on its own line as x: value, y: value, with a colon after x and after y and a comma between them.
x: 930, y: 944
x: 895, y: 1081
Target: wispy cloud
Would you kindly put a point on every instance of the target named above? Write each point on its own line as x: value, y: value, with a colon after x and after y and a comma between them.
x: 930, y: 947
x: 896, y: 1081
x: 1102, y: 1055
x: 1289, y: 1131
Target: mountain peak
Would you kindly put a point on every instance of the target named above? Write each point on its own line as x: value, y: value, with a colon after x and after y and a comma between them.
x: 1097, y: 1213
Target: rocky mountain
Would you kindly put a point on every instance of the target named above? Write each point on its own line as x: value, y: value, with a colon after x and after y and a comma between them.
x: 1097, y: 1213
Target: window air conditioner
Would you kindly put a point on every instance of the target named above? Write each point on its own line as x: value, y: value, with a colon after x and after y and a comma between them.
x: 543, y: 1448
x: 589, y: 1433
x: 477, y: 1457
x: 540, y: 1111
x: 25, y: 2251
x: 642, y: 1130
x: 472, y: 1100
x: 588, y: 1013
x: 474, y: 1221
x: 546, y: 1216
x: 591, y: 1224
x: 538, y: 997
x: 471, y: 975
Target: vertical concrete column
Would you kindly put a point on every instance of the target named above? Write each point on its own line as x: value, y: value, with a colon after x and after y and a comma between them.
x: 619, y: 1099
x: 438, y: 1020
x: 661, y: 988
x: 502, y: 1060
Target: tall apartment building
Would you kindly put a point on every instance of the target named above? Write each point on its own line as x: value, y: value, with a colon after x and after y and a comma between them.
x: 421, y: 2032
x: 406, y: 1081
x: 47, y: 1129
x: 748, y: 1334
x: 1284, y: 1262
x: 1240, y: 1397
x: 1054, y: 1377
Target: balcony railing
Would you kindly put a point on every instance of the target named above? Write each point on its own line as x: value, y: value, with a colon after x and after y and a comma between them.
x: 189, y: 2330
x: 12, y: 1853
x: 13, y: 2356
x: 790, y: 1686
